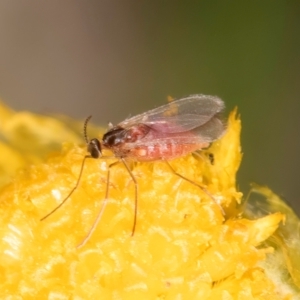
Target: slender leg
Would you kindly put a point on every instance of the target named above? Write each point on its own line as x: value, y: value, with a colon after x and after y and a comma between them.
x: 209, y: 158
x: 135, y: 195
x: 101, y: 211
x: 71, y: 192
x: 196, y: 184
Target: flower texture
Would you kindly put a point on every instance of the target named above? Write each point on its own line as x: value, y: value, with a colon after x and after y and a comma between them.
x: 183, y: 246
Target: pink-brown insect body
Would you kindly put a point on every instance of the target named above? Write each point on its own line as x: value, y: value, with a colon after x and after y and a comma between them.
x: 142, y: 143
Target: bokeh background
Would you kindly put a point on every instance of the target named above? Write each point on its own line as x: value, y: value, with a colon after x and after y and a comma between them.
x: 118, y: 58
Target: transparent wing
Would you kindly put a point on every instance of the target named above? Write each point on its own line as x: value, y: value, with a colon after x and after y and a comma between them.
x: 179, y: 115
x: 204, y: 134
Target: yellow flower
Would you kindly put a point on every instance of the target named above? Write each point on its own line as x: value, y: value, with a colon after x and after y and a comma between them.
x: 183, y: 247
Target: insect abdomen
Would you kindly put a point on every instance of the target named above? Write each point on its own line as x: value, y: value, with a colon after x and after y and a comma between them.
x: 163, y: 151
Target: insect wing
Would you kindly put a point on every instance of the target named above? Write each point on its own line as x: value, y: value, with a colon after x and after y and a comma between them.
x: 210, y: 131
x: 180, y: 115
x: 206, y: 133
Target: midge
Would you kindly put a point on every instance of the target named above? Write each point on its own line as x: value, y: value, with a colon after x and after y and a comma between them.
x: 164, y: 133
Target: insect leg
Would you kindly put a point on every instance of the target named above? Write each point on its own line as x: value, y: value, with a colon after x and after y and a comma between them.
x: 135, y: 195
x: 209, y: 158
x: 71, y: 192
x: 196, y: 184
x: 101, y: 211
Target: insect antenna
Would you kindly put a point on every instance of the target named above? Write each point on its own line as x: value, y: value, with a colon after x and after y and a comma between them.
x: 85, y: 129
x: 80, y: 172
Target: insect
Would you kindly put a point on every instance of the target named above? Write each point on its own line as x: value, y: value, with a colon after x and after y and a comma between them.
x: 164, y: 133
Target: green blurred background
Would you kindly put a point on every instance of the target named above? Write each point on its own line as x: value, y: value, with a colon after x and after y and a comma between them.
x: 118, y: 58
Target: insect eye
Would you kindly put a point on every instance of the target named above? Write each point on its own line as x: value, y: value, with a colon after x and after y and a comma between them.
x: 94, y: 148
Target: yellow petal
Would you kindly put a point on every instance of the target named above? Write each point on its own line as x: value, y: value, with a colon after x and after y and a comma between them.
x: 183, y: 247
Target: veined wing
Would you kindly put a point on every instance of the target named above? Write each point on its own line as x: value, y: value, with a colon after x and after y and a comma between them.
x: 204, y: 134
x: 179, y: 115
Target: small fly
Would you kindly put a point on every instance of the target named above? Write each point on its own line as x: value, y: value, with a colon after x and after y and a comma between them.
x: 164, y: 133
